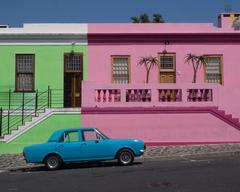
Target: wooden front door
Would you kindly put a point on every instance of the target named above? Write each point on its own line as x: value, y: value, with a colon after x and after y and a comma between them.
x: 73, y: 77
x: 72, y: 90
x: 167, y: 77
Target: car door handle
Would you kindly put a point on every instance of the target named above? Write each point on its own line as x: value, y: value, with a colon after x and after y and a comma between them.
x: 83, y: 144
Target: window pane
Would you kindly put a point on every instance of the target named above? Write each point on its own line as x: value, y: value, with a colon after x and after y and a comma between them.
x: 73, y: 62
x: 25, y: 82
x: 90, y: 135
x: 25, y: 63
x: 25, y: 72
x: 167, y: 62
x: 213, y: 70
x: 71, y: 137
x: 120, y: 70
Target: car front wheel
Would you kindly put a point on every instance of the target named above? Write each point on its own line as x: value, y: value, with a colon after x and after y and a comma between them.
x: 125, y: 157
x: 53, y: 162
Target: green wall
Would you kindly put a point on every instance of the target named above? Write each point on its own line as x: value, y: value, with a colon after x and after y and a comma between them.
x: 49, y: 65
x: 49, y: 71
x: 41, y: 132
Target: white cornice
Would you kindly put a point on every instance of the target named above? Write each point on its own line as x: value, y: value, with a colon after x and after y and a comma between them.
x: 45, y: 34
x: 46, y: 29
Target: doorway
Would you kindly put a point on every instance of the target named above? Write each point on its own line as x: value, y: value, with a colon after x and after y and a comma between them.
x: 167, y: 69
x: 73, y: 76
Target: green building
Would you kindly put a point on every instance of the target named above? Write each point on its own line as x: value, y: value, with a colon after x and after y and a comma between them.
x: 41, y: 67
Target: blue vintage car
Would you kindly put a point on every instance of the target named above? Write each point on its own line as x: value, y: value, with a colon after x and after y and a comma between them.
x: 82, y: 144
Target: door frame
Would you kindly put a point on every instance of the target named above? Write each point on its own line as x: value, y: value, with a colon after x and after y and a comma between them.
x: 66, y: 71
x: 167, y: 70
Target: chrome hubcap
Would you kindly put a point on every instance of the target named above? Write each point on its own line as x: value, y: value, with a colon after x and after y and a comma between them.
x: 125, y: 157
x: 52, y: 162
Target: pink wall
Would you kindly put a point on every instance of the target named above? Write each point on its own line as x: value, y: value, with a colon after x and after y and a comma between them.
x: 136, y: 40
x: 128, y: 28
x: 164, y: 128
x: 100, y: 61
x: 159, y: 28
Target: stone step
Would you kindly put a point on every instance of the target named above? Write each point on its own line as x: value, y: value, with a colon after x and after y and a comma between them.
x: 35, y: 120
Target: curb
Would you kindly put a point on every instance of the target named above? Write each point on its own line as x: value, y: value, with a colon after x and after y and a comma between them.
x: 210, y: 154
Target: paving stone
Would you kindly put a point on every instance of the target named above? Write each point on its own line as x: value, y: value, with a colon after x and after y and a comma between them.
x: 8, y: 162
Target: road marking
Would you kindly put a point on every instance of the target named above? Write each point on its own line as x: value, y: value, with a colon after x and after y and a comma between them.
x: 12, y: 189
x: 197, y: 160
x: 23, y: 172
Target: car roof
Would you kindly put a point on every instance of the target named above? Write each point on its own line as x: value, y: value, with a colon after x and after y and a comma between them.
x: 56, y: 134
x: 76, y: 129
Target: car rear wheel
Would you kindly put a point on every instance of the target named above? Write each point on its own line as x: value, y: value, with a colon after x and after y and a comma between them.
x: 53, y: 162
x: 125, y: 157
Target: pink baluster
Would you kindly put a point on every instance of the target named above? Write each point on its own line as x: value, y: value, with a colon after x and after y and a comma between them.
x: 139, y: 95
x: 144, y: 95
x: 189, y: 95
x: 132, y: 95
x: 148, y: 95
x: 176, y: 95
x: 107, y: 95
x: 98, y: 95
x: 104, y: 96
x: 127, y: 95
x: 115, y: 95
x: 110, y: 95
x: 211, y: 94
x: 119, y: 95
x: 135, y: 95
x: 179, y: 95
x: 201, y: 94
x: 162, y: 95
x: 159, y: 95
x: 172, y: 93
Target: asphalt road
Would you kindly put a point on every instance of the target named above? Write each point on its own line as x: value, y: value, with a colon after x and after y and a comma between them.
x: 203, y: 174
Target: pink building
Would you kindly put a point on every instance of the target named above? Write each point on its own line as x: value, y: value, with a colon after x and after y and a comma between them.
x: 170, y: 108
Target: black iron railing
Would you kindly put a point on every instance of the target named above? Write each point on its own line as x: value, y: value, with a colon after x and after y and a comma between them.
x: 19, y: 107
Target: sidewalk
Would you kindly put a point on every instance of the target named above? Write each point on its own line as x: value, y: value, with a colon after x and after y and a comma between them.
x: 8, y: 162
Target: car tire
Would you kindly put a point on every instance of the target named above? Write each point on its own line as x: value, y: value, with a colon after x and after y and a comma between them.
x: 53, y: 162
x: 125, y: 157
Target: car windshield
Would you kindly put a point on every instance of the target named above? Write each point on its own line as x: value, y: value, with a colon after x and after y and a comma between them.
x: 55, y: 136
x: 103, y: 135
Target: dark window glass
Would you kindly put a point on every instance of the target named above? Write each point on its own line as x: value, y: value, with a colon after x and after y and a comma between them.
x: 120, y: 70
x: 25, y: 72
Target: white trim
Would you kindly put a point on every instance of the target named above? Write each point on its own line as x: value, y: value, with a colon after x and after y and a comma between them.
x: 45, y: 34
x: 45, y: 40
x: 37, y: 43
x: 46, y: 28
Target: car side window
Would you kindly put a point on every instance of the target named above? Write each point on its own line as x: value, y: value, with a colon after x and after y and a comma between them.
x: 70, y: 136
x: 91, y: 136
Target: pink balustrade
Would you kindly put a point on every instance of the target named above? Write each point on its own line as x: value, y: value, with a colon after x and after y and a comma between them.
x: 107, y: 95
x: 138, y: 95
x: 149, y: 95
x: 199, y: 95
x: 170, y: 95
